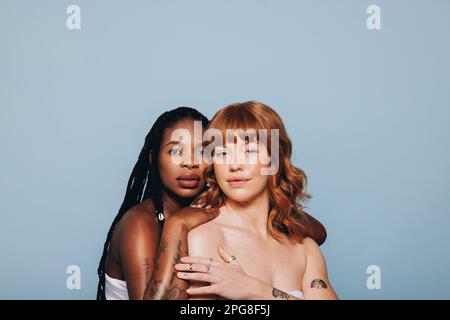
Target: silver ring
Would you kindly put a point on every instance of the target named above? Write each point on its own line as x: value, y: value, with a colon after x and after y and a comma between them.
x: 232, y: 258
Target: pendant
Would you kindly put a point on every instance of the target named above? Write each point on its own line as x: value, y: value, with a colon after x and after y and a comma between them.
x: 161, y: 216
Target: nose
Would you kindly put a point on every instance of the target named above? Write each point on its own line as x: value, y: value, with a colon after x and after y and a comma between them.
x: 190, y: 165
x: 233, y: 167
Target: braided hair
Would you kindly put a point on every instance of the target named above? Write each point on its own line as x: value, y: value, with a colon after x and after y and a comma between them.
x: 145, y: 181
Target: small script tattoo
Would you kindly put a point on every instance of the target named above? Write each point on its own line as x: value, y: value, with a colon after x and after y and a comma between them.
x: 147, y: 270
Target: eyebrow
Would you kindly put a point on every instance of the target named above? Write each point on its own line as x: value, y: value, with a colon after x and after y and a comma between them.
x: 179, y: 142
x: 246, y: 143
x: 173, y: 142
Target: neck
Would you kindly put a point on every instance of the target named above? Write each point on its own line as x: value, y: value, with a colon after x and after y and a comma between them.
x: 251, y: 215
x: 173, y: 203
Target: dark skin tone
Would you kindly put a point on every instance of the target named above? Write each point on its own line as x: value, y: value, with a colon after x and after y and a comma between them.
x: 142, y: 254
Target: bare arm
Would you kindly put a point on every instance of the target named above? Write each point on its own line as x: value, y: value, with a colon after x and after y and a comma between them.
x: 137, y: 249
x: 315, y: 283
x: 164, y: 284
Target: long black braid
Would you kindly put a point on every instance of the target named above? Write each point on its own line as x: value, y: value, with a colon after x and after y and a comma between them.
x: 145, y: 181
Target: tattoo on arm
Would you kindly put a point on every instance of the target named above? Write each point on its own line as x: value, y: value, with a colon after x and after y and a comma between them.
x: 147, y: 270
x: 276, y: 293
x: 165, y: 284
x: 179, y: 254
x: 318, y: 284
x: 162, y: 246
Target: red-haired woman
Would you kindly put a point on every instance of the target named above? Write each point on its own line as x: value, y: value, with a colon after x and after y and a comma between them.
x: 261, y: 220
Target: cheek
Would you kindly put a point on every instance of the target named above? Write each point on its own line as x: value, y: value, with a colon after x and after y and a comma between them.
x: 167, y: 169
x: 219, y: 172
x: 260, y: 183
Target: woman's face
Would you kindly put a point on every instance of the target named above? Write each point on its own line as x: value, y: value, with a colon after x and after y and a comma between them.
x: 237, y: 168
x: 178, y: 172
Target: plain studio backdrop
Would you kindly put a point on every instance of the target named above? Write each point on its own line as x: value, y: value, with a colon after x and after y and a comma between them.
x: 367, y: 111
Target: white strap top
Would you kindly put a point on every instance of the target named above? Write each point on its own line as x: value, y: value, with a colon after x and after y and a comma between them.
x: 115, y: 289
x: 296, y: 293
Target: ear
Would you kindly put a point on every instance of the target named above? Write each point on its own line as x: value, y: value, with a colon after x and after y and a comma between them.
x: 150, y: 157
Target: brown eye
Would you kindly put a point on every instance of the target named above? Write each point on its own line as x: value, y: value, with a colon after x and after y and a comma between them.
x: 175, y: 152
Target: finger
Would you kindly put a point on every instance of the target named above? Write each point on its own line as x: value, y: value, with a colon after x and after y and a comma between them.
x: 225, y: 255
x: 200, y: 260
x: 201, y: 290
x: 210, y: 208
x: 212, y: 214
x: 197, y: 276
x: 193, y: 267
x: 199, y: 203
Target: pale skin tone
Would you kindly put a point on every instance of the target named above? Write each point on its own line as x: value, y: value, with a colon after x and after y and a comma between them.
x: 264, y: 267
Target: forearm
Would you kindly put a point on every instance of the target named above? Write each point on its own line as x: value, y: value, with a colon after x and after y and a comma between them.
x: 164, y: 284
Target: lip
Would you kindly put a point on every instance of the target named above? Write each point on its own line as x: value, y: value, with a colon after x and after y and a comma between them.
x: 188, y: 180
x: 188, y: 176
x: 237, y: 181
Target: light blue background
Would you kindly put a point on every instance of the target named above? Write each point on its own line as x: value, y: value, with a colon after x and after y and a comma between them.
x: 368, y: 112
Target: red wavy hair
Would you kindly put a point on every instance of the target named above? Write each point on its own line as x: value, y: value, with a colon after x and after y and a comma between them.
x: 287, y: 188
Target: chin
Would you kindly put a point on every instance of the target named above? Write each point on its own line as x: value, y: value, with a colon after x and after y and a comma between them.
x: 239, y: 196
x: 188, y: 193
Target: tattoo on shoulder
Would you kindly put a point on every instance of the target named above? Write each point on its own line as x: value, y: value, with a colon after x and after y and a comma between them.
x: 318, y: 284
x: 276, y: 293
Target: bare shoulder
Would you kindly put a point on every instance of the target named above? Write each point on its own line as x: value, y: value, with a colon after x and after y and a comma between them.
x: 310, y: 244
x: 140, y: 218
x: 208, y: 229
x: 203, y: 240
x: 311, y: 247
x: 136, y: 233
